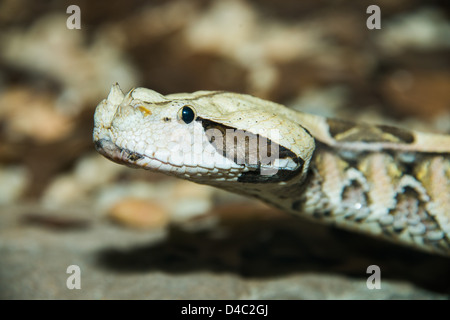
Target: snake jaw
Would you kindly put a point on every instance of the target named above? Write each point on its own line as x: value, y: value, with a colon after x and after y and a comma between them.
x: 110, y: 150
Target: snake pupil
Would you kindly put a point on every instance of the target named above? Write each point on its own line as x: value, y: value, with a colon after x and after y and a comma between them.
x: 187, y: 114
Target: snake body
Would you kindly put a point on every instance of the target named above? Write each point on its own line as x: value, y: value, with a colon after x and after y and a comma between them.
x: 380, y: 180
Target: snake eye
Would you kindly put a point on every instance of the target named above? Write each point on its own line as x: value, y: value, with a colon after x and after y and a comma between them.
x: 187, y: 114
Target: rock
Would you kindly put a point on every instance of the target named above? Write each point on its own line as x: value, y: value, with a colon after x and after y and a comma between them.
x: 190, y: 200
x: 90, y: 174
x: 139, y: 214
x: 33, y: 115
x: 13, y: 182
x: 49, y: 47
x: 421, y: 93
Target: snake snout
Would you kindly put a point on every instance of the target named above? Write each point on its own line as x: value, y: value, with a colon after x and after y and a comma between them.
x: 105, y: 147
x: 98, y: 145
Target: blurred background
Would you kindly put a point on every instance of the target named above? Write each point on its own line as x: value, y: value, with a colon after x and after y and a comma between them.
x: 61, y: 203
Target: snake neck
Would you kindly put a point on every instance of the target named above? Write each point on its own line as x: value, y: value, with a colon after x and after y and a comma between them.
x: 400, y: 197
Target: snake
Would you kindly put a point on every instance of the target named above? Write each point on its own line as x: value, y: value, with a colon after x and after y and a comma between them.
x: 383, y: 181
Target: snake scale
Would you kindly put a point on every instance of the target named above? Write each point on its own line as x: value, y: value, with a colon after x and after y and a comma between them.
x: 380, y: 180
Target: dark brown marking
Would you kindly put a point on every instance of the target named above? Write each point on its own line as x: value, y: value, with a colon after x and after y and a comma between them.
x: 351, y: 195
x: 401, y: 134
x: 297, y: 205
x: 346, y: 131
x: 281, y: 175
x: 339, y: 126
x: 243, y: 155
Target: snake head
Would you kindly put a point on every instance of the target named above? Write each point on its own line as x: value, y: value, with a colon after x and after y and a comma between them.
x: 208, y: 137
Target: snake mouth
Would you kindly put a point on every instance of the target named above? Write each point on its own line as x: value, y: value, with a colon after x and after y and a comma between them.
x: 119, y: 155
